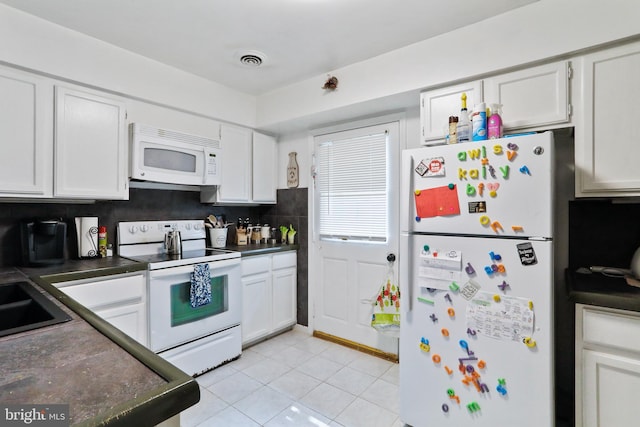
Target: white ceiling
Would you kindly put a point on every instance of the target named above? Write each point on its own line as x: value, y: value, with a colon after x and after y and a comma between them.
x: 300, y: 38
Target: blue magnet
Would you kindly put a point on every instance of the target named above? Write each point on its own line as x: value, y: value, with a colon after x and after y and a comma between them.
x: 525, y: 170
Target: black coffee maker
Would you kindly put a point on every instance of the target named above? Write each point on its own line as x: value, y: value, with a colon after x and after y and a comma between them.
x: 42, y: 242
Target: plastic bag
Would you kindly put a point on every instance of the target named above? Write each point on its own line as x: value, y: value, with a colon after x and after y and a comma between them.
x: 386, y: 305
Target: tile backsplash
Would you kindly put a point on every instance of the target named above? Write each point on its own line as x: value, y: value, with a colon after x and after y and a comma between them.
x: 603, y: 232
x: 147, y: 204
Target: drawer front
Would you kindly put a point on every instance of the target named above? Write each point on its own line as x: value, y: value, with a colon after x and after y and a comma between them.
x: 256, y: 264
x: 287, y: 259
x: 611, y: 329
x: 107, y: 292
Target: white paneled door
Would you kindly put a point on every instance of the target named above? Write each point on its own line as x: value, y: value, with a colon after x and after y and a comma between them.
x: 355, y: 228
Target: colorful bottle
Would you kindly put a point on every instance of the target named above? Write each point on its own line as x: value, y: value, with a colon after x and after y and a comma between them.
x: 102, y: 241
x: 479, y: 123
x: 464, y: 126
x: 494, y: 126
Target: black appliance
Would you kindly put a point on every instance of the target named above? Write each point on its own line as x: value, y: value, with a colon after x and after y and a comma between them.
x: 42, y: 242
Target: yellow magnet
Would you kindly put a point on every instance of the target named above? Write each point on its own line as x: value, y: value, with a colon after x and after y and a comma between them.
x: 484, y: 220
x: 496, y: 298
x: 417, y: 192
x: 530, y: 342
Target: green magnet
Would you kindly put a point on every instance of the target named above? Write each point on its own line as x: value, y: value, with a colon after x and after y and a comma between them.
x: 424, y: 300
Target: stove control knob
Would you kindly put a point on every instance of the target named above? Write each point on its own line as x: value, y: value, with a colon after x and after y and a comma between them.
x: 196, y: 226
x: 144, y: 228
x: 133, y: 229
x: 187, y: 226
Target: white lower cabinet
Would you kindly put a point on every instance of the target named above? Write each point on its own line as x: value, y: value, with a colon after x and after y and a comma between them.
x: 120, y: 300
x: 268, y: 294
x: 607, y: 366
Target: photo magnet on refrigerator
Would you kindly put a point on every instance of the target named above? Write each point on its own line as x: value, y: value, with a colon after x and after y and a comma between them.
x: 431, y: 167
x: 527, y: 254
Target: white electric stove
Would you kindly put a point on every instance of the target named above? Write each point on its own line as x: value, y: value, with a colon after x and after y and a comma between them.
x: 194, y: 339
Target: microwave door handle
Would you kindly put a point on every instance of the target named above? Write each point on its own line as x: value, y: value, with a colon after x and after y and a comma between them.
x: 206, y: 167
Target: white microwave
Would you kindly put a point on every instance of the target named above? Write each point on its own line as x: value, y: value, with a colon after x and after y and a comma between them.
x: 172, y: 157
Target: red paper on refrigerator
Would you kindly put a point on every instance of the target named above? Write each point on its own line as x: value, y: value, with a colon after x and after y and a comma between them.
x: 438, y: 201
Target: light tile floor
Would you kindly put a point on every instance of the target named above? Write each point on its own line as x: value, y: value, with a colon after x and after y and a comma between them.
x: 298, y: 380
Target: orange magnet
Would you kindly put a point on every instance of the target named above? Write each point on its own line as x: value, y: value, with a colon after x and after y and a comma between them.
x: 436, y: 358
x: 517, y: 228
x: 481, y: 364
x: 445, y: 332
x: 495, y: 225
x: 451, y: 312
x: 448, y: 369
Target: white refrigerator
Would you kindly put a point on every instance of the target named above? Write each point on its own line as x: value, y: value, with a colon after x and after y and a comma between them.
x: 476, y: 281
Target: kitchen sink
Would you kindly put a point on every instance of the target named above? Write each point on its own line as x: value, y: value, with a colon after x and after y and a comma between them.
x: 23, y: 308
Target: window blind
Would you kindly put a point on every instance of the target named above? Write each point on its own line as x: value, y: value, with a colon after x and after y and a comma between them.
x: 352, y: 185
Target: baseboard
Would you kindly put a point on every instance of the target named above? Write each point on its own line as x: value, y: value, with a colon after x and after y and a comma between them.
x: 356, y: 346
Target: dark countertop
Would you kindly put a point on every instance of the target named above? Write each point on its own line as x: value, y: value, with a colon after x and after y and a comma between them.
x: 75, y: 269
x: 261, y: 248
x: 106, y: 377
x: 599, y: 290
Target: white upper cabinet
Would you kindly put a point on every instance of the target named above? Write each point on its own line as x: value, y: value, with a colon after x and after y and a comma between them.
x: 90, y: 145
x: 607, y: 137
x: 249, y: 162
x: 26, y: 135
x: 436, y: 106
x: 236, y: 164
x: 534, y: 97
x: 265, y: 162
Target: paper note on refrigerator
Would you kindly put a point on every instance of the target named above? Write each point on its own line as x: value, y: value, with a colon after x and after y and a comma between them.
x: 438, y: 201
x: 438, y: 269
x: 505, y: 318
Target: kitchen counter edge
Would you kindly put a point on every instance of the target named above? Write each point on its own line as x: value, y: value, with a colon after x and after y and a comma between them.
x: 180, y: 392
x: 262, y: 249
x: 602, y: 291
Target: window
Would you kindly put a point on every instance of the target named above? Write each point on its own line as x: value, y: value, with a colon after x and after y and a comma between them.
x: 351, y: 185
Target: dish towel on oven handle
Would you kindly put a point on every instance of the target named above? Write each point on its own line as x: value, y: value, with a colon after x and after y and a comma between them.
x: 200, y: 286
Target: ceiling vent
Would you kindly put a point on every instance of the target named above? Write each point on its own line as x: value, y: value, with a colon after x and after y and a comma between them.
x: 252, y: 59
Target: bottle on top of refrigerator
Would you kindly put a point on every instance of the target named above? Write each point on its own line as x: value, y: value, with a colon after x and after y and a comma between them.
x: 479, y: 123
x: 494, y: 123
x: 464, y: 125
x: 453, y: 130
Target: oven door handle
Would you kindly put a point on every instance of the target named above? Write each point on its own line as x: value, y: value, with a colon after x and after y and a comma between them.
x: 213, y: 265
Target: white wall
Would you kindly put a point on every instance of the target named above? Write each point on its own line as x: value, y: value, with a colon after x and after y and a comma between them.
x: 541, y: 30
x: 30, y: 42
x: 301, y: 142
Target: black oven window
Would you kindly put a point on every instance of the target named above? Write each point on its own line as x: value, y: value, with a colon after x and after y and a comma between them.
x: 169, y: 160
x: 181, y: 310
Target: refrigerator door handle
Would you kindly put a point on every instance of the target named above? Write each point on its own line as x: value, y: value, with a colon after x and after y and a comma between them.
x: 404, y: 275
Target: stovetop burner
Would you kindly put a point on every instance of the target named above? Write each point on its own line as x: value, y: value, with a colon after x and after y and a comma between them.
x: 143, y: 241
x: 187, y: 257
